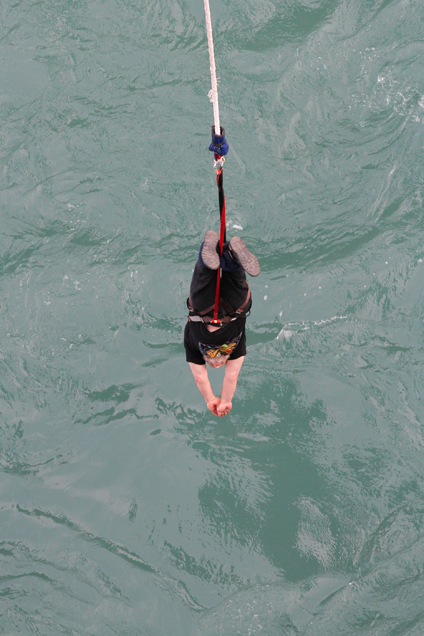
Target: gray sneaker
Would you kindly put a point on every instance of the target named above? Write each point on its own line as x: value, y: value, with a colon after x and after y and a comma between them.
x: 208, y: 253
x: 243, y: 256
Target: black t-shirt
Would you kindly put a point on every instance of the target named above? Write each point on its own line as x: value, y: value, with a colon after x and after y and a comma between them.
x: 231, y: 337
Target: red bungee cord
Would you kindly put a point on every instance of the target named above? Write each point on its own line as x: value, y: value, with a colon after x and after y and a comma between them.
x: 222, y: 238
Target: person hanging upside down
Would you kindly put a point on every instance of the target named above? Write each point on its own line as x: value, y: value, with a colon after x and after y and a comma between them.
x: 226, y: 344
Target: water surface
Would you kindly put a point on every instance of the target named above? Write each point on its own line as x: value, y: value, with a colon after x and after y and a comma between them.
x: 126, y: 507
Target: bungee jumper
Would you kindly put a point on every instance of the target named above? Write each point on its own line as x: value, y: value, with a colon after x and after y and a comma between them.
x: 218, y: 304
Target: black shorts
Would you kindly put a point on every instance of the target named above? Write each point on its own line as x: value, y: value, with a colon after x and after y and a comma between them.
x: 234, y: 289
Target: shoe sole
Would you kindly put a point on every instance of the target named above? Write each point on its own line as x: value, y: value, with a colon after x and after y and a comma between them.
x: 209, y: 254
x: 247, y: 260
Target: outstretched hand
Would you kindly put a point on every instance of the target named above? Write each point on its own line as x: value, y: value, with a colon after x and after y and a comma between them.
x: 213, y: 405
x: 224, y: 408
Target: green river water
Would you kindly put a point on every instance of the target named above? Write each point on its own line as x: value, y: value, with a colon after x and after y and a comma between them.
x: 125, y: 506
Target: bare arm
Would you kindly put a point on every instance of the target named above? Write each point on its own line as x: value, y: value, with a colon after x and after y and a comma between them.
x: 232, y: 370
x: 200, y: 374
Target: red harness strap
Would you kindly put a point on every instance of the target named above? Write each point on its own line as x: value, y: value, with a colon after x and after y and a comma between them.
x: 219, y: 179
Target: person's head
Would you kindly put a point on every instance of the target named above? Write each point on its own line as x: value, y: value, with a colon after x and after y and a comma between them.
x: 218, y: 361
x: 216, y: 355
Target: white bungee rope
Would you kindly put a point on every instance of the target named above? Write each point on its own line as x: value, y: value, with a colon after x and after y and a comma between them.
x: 213, y: 93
